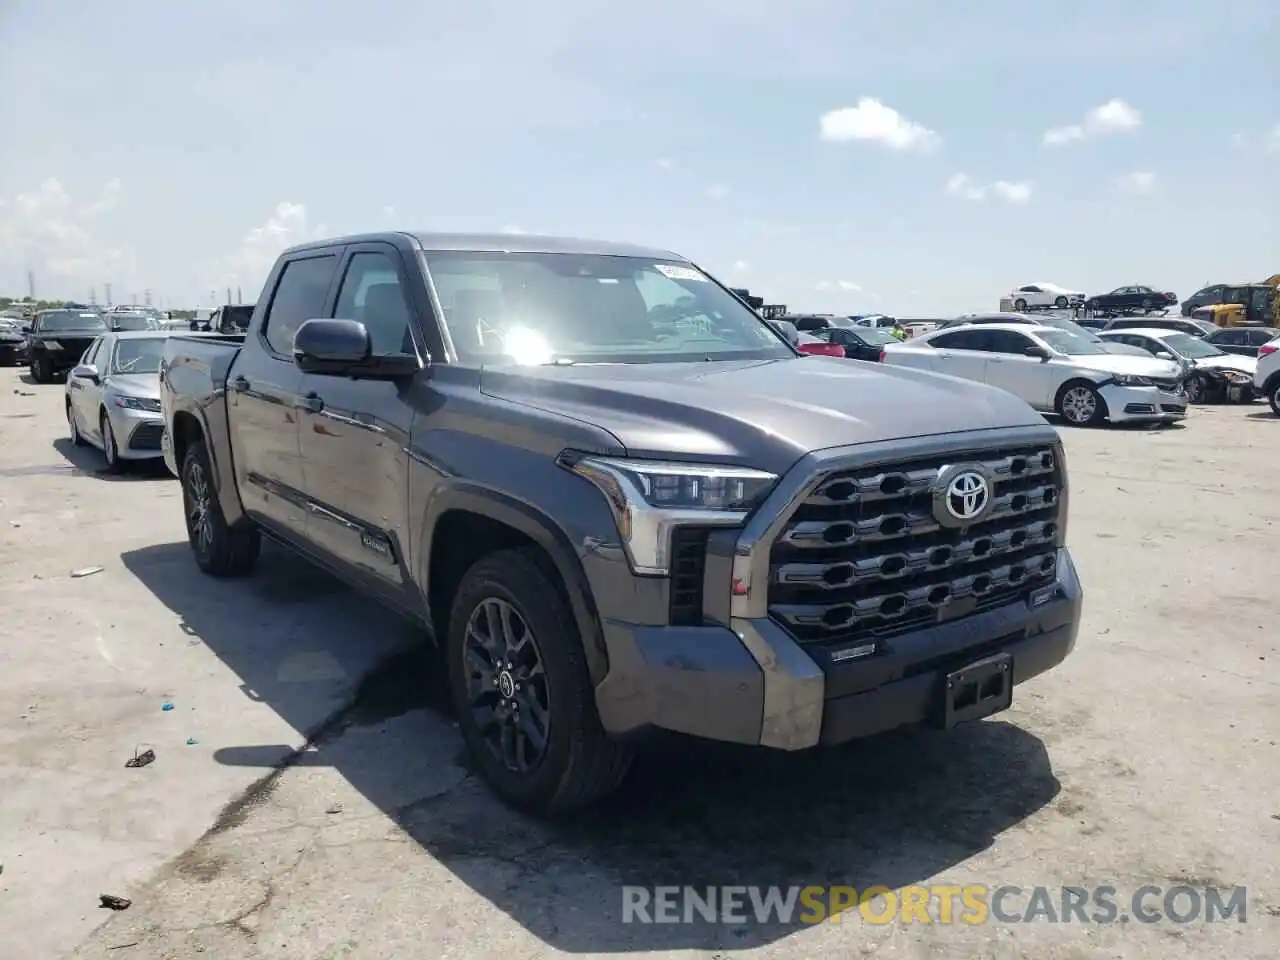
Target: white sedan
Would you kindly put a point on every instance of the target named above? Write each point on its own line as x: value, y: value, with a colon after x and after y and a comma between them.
x: 1053, y: 370
x: 1213, y: 374
x: 1045, y: 295
x: 113, y: 397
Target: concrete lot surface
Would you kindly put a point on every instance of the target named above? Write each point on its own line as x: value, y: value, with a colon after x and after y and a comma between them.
x: 1149, y: 757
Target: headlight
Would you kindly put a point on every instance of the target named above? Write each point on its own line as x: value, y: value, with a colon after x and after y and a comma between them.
x: 138, y: 403
x: 1235, y: 376
x: 1123, y: 381
x: 648, y: 498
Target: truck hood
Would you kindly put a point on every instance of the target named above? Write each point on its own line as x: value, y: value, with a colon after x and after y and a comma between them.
x: 763, y: 414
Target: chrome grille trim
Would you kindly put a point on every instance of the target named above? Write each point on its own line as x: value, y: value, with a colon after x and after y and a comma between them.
x: 861, y: 553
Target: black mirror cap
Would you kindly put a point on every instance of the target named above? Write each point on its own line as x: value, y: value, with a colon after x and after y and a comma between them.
x: 343, y: 348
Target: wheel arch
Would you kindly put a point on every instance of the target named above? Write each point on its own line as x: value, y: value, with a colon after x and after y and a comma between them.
x: 465, y: 523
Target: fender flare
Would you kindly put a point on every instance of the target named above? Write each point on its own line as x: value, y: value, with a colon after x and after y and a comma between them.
x: 543, y: 531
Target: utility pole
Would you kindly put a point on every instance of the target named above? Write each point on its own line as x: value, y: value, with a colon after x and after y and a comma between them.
x: 31, y: 284
x: 106, y: 288
x: 239, y: 295
x: 93, y: 296
x: 228, y: 300
x: 146, y: 294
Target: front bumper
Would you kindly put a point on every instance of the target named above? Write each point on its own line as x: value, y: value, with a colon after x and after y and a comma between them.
x: 13, y: 351
x: 1143, y: 404
x: 754, y: 685
x: 138, y: 433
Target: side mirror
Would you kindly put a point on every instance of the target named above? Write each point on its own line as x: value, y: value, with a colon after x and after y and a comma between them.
x: 1038, y: 352
x: 1164, y: 355
x: 86, y: 371
x: 343, y: 348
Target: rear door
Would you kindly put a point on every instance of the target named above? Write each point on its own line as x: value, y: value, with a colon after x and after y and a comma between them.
x: 961, y: 353
x: 354, y: 434
x: 84, y: 395
x: 1235, y: 340
x: 264, y: 393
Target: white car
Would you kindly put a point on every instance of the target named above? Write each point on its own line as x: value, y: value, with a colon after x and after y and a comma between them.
x: 1053, y: 370
x: 1266, y: 378
x: 113, y: 397
x: 1045, y: 295
x: 1212, y: 373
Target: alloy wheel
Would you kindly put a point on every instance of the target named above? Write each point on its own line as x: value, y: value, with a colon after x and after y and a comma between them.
x: 507, y: 685
x: 1079, y: 405
x: 199, y: 523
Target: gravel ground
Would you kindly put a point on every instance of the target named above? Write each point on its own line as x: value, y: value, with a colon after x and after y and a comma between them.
x: 1149, y: 757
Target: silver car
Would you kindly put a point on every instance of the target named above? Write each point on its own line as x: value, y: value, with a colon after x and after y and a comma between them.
x: 113, y: 396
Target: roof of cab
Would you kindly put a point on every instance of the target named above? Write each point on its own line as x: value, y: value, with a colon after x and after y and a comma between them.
x: 497, y: 243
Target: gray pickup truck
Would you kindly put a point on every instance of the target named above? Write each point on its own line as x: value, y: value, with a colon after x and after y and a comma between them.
x: 622, y: 504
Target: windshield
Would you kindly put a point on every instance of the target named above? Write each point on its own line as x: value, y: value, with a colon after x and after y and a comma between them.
x: 1070, y: 344
x: 66, y: 320
x: 876, y: 336
x: 137, y: 355
x: 1071, y: 327
x: 537, y: 308
x: 132, y: 321
x: 1192, y: 347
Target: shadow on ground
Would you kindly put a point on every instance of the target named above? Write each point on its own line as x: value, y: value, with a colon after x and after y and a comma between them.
x: 88, y: 460
x: 894, y: 811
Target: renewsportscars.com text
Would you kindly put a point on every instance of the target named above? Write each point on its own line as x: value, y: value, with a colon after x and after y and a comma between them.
x: 971, y: 904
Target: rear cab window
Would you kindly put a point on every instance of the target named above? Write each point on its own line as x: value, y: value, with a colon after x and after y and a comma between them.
x: 301, y: 294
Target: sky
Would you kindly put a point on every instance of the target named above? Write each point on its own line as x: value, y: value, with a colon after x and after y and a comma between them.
x: 915, y: 157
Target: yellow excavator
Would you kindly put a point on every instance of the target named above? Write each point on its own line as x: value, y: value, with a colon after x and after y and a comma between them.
x: 1244, y: 305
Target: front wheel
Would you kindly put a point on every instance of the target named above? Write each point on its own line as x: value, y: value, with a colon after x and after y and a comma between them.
x: 40, y: 371
x: 1197, y: 390
x: 520, y: 685
x: 73, y: 426
x: 1020, y: 305
x: 109, y: 449
x: 1060, y: 303
x: 1273, y: 395
x: 220, y: 549
x: 1081, y: 405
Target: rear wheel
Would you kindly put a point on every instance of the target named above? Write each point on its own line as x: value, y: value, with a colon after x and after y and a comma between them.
x: 1273, y: 395
x: 519, y: 682
x: 1080, y: 404
x: 1060, y: 303
x: 1020, y: 305
x: 73, y: 426
x: 220, y: 549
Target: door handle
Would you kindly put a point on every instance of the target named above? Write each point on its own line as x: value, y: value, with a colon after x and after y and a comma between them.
x: 312, y: 402
x: 240, y: 384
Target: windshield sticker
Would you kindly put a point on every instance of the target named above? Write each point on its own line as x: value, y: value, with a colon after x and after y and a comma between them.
x: 675, y: 272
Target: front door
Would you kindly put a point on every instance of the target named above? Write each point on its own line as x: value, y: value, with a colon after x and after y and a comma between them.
x: 264, y: 393
x: 354, y: 434
x: 1009, y: 368
x: 84, y: 395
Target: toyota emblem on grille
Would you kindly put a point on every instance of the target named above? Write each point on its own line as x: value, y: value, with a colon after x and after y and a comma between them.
x: 961, y: 496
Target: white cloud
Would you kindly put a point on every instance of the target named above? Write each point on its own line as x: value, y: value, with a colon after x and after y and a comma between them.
x: 741, y: 266
x: 512, y: 228
x: 1140, y: 181
x: 826, y: 286
x: 718, y: 191
x: 1114, y: 116
x: 873, y: 121
x: 247, y: 267
x: 962, y: 186
x: 665, y: 164
x: 1017, y: 193
x: 46, y: 232
x: 1273, y: 140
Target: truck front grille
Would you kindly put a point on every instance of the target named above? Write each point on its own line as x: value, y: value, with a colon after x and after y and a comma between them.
x: 864, y: 555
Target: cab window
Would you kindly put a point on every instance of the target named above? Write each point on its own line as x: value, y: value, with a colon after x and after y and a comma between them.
x: 372, y: 294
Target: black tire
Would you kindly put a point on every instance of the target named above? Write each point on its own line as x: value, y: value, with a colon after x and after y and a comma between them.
x: 1078, y: 413
x: 40, y: 372
x: 1060, y: 303
x: 73, y: 428
x: 1147, y: 306
x: 1019, y: 305
x: 580, y: 763
x: 223, y: 550
x: 1273, y: 394
x: 110, y: 451
x: 1197, y: 389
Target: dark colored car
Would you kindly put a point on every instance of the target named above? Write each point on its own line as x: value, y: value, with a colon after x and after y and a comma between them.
x: 1131, y: 300
x: 13, y: 343
x: 58, y: 339
x: 1244, y: 341
x: 1203, y: 297
x: 859, y: 343
x: 622, y: 504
